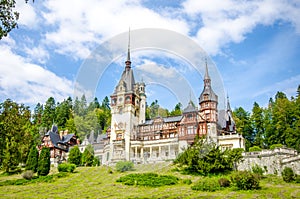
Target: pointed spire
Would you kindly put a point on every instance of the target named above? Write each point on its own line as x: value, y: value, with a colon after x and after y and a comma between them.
x: 228, y: 103
x: 128, y: 62
x: 206, y: 70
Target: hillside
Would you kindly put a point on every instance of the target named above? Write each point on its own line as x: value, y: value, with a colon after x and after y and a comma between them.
x: 97, y: 182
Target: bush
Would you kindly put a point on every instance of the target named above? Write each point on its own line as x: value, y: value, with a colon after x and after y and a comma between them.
x: 254, y: 148
x: 187, y: 181
x: 28, y: 175
x: 66, y: 167
x: 258, y: 170
x: 297, y: 179
x: 245, y: 180
x: 224, y: 182
x: 148, y: 179
x: 44, y: 162
x: 75, y: 156
x: 288, y: 174
x: 32, y: 160
x: 123, y: 166
x: 206, y: 184
x: 273, y: 146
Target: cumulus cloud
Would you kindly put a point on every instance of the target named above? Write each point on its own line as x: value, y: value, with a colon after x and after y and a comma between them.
x: 29, y: 83
x: 229, y: 21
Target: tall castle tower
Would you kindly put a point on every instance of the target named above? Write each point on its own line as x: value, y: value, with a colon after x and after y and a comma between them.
x: 128, y: 108
x: 208, y: 110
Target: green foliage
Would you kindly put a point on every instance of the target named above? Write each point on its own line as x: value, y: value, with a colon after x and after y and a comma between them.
x: 297, y: 178
x: 224, y: 182
x: 39, y: 179
x: 245, y: 180
x: 148, y: 179
x: 28, y: 175
x: 206, y: 184
x: 12, y: 156
x: 44, y: 162
x: 49, y: 116
x: 88, y: 156
x: 96, y: 162
x: 273, y: 146
x: 257, y: 170
x: 203, y: 158
x: 66, y: 167
x: 187, y: 181
x: 75, y: 156
x: 288, y: 174
x: 32, y: 160
x: 123, y: 166
x: 8, y: 17
x: 254, y: 148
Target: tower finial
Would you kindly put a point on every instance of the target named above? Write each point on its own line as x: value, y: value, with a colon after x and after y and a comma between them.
x: 206, y: 70
x: 128, y: 53
x: 128, y: 62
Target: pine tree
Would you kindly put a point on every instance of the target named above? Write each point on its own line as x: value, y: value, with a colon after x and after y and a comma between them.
x: 32, y: 160
x: 44, y: 162
x: 49, y: 113
x: 11, y: 156
x: 88, y: 156
x: 75, y: 156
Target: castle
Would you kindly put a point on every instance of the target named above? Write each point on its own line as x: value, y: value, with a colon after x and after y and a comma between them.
x: 132, y: 137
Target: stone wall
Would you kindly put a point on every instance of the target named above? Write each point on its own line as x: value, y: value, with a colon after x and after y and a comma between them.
x: 273, y: 161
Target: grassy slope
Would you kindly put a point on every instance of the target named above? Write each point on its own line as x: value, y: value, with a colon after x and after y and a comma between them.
x: 98, y: 183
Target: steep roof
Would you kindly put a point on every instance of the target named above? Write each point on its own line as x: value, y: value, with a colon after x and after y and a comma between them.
x: 190, y: 108
x: 207, y: 91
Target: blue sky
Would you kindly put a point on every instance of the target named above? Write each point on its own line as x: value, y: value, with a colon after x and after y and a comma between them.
x: 255, y: 46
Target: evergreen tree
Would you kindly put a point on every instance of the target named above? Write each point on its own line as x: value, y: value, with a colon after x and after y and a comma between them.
x: 37, y: 114
x: 11, y: 155
x: 243, y: 125
x: 44, y: 162
x: 49, y: 113
x: 75, y: 156
x: 177, y: 110
x: 88, y: 156
x: 62, y: 114
x: 258, y: 125
x: 32, y: 160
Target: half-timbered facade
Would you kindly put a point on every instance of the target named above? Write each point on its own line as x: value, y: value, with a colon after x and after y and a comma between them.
x: 133, y: 138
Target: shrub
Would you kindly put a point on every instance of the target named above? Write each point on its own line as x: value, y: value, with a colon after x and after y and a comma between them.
x: 28, y: 175
x: 258, y: 170
x: 206, y: 184
x: 288, y: 174
x: 32, y: 160
x: 123, y: 166
x: 245, y: 180
x: 254, y: 148
x: 224, y: 182
x: 297, y: 179
x: 148, y: 179
x: 273, y: 146
x: 75, y: 156
x: 187, y: 181
x: 44, y: 162
x: 66, y: 167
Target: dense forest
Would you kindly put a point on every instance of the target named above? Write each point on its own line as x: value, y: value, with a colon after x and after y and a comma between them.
x: 22, y: 128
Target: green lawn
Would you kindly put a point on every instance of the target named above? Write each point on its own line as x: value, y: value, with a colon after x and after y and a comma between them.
x: 97, y: 182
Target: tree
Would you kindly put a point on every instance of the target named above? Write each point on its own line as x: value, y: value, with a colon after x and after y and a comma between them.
x: 44, y: 162
x: 243, y: 125
x: 32, y: 160
x: 257, y: 120
x: 62, y: 114
x: 88, y: 156
x: 49, y: 113
x: 177, y: 110
x: 206, y: 158
x: 11, y: 155
x: 15, y: 128
x: 37, y: 114
x: 8, y: 17
x: 75, y: 156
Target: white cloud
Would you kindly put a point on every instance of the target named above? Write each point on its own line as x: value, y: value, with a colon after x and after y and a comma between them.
x: 87, y: 23
x: 38, y: 54
x: 28, y: 16
x: 29, y: 83
x: 229, y: 21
